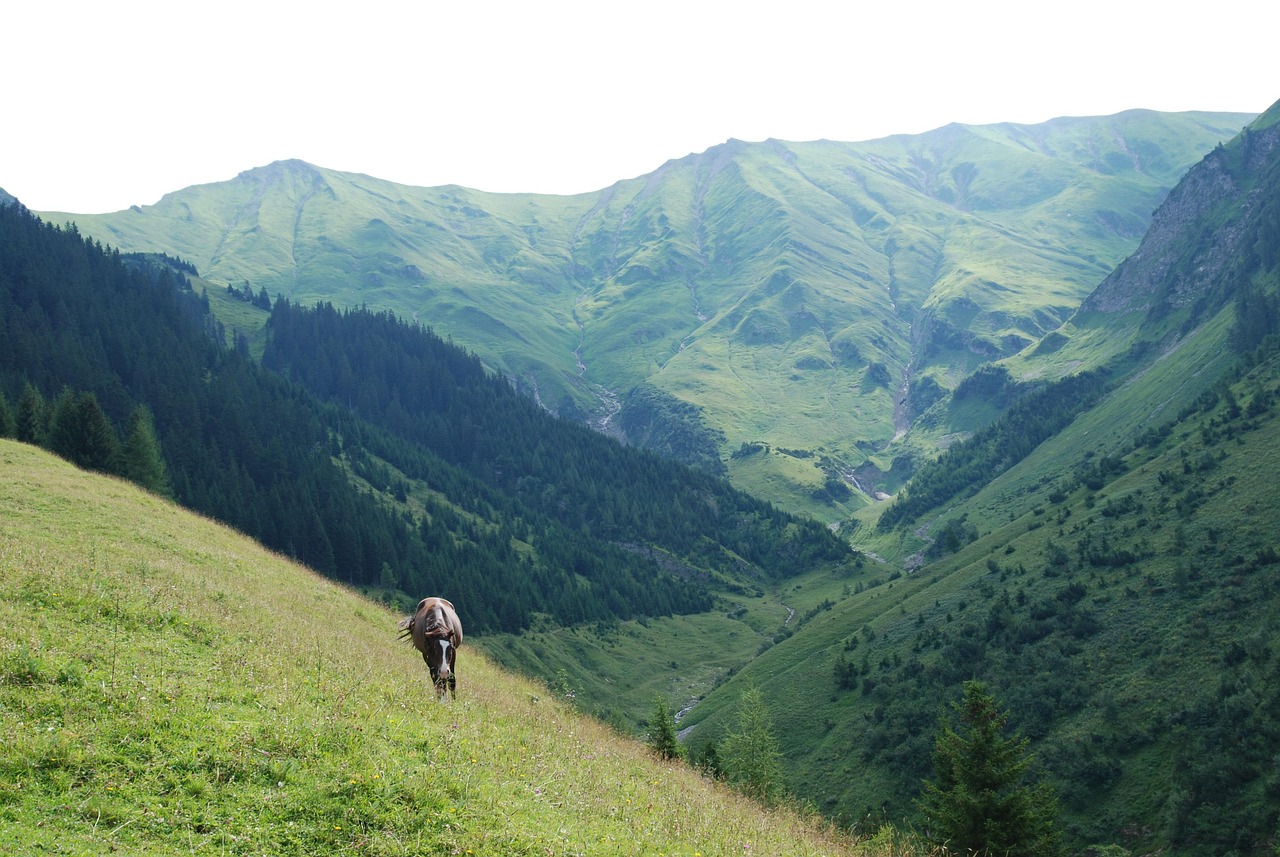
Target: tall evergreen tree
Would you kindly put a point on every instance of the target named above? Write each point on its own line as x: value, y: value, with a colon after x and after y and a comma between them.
x: 32, y: 421
x: 8, y: 426
x: 140, y: 458
x: 750, y: 756
x: 979, y: 802
x: 81, y: 433
x: 662, y: 731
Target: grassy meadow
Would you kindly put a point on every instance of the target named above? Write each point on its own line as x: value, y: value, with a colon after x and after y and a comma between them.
x: 169, y: 687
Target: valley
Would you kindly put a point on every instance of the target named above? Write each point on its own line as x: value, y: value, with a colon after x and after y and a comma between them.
x: 1029, y: 373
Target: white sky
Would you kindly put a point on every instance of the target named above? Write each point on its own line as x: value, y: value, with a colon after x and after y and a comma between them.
x: 109, y: 104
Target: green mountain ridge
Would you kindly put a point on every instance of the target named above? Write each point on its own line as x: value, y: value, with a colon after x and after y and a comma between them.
x: 805, y: 296
x: 1115, y: 585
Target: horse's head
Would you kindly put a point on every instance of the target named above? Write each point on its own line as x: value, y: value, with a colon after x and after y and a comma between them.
x: 436, y: 632
x: 439, y: 655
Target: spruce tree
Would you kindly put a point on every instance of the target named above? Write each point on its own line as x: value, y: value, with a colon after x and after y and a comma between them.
x: 8, y: 426
x: 32, y: 418
x: 662, y: 731
x: 81, y: 433
x: 141, y: 461
x: 979, y: 802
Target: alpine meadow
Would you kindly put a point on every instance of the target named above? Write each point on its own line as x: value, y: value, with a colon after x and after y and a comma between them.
x: 910, y: 496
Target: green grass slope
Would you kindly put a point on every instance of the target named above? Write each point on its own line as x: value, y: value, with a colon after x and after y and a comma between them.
x: 1121, y: 599
x: 788, y: 290
x: 168, y: 687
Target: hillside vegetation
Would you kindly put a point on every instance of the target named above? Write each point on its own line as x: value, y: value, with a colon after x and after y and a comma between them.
x: 813, y: 299
x: 1104, y: 561
x: 378, y: 454
x: 1126, y: 609
x: 169, y: 687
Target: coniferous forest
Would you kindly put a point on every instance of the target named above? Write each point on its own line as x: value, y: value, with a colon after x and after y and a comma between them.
x: 317, y: 452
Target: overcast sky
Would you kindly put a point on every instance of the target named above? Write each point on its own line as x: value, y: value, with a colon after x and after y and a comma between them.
x: 111, y: 104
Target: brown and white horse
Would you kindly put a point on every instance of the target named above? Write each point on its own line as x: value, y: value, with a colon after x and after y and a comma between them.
x: 436, y: 631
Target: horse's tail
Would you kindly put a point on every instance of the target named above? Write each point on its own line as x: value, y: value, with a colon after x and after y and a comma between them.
x: 406, y: 628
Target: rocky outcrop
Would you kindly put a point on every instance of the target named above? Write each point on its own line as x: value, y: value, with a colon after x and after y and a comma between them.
x: 1181, y: 257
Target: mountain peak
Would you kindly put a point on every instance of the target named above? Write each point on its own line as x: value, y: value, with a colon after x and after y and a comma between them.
x: 289, y: 166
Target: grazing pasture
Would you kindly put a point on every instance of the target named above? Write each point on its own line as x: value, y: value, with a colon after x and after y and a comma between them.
x: 169, y: 687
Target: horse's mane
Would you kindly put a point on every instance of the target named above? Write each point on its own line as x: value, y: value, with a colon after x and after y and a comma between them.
x: 434, y: 618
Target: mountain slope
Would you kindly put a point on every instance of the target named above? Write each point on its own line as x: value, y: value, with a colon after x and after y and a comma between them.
x: 433, y: 475
x: 169, y: 687
x: 1115, y: 586
x: 812, y: 297
x: 1200, y: 253
x: 1122, y: 605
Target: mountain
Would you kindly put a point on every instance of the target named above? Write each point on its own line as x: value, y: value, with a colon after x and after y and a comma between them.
x: 368, y: 448
x: 1112, y: 581
x: 783, y: 311
x: 1096, y: 544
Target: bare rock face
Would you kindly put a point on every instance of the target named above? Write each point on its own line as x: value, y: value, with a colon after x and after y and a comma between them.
x: 1175, y: 263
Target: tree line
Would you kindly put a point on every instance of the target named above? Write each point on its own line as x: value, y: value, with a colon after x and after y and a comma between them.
x: 428, y: 393
x: 75, y: 427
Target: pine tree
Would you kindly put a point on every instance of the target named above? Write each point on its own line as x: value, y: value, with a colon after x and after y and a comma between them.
x: 32, y: 419
x: 8, y: 426
x: 750, y: 756
x: 81, y: 433
x: 979, y: 802
x: 662, y: 731
x: 141, y: 461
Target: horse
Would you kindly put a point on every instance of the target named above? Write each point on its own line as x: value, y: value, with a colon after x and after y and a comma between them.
x: 436, y: 631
